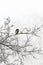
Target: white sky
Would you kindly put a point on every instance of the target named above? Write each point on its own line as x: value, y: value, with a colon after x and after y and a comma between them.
x: 20, y: 11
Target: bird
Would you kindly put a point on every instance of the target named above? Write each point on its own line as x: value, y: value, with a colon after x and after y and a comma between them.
x: 16, y: 31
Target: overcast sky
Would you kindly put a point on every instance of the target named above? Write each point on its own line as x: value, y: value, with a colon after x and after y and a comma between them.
x: 20, y: 11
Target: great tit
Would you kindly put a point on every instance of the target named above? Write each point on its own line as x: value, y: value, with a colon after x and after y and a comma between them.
x: 16, y: 31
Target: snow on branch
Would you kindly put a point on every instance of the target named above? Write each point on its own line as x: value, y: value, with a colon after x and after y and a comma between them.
x: 10, y: 43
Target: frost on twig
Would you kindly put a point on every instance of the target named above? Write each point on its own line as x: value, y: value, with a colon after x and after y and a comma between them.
x: 17, y: 46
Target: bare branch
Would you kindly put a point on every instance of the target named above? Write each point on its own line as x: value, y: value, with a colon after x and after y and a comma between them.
x: 10, y: 41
